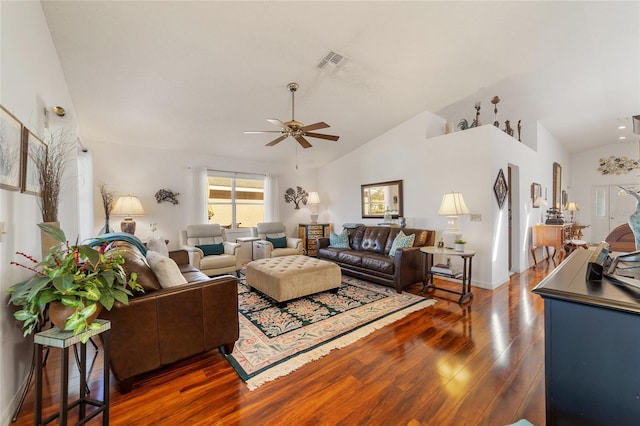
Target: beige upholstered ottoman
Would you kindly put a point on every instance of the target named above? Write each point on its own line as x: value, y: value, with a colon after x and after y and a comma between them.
x: 289, y: 277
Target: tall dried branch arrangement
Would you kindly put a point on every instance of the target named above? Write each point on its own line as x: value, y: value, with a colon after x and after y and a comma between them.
x: 107, y: 200
x: 50, y: 163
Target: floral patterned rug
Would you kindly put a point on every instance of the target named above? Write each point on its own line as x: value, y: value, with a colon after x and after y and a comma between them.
x: 276, y: 341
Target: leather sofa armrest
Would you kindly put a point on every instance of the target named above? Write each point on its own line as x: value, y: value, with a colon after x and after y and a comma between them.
x: 409, y: 265
x: 181, y: 257
x: 322, y: 242
x: 262, y: 249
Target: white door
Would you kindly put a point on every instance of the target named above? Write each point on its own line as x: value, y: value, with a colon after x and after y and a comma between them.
x: 609, y: 209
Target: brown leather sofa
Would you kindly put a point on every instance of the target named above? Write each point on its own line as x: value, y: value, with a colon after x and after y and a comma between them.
x: 165, y: 325
x: 369, y: 257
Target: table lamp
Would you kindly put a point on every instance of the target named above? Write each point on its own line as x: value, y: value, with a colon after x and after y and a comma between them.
x: 452, y: 206
x: 572, y: 207
x: 128, y: 206
x: 540, y: 202
x: 314, y: 200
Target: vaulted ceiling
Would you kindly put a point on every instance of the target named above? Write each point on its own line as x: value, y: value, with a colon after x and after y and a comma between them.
x: 195, y: 75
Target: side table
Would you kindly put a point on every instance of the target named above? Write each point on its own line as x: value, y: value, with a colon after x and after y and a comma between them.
x: 55, y: 338
x: 247, y: 240
x: 466, y: 255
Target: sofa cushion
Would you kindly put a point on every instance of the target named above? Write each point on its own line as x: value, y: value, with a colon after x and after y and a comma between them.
x: 134, y: 261
x: 191, y: 273
x: 374, y: 239
x: 378, y: 262
x: 211, y: 249
x: 165, y: 269
x: 401, y: 241
x: 350, y: 257
x: 339, y: 240
x: 278, y: 242
x: 159, y: 246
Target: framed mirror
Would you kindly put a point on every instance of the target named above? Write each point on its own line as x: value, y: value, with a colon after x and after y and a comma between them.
x: 378, y: 197
x: 557, y: 185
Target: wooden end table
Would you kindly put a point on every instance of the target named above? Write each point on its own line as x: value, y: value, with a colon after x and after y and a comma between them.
x: 464, y: 276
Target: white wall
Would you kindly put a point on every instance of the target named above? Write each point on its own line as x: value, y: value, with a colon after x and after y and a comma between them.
x: 30, y: 79
x: 143, y: 171
x: 466, y: 161
x: 585, y: 175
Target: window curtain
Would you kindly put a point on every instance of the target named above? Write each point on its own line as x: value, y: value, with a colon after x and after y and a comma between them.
x: 200, y: 189
x: 271, y: 199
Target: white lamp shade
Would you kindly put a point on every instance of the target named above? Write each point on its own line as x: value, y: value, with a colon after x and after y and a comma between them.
x: 572, y: 207
x: 128, y: 206
x: 314, y: 198
x: 453, y: 205
x: 540, y: 202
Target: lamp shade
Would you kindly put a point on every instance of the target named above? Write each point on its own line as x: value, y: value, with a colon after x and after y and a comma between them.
x: 540, y: 202
x: 128, y: 205
x: 453, y: 205
x: 572, y: 206
x: 314, y: 198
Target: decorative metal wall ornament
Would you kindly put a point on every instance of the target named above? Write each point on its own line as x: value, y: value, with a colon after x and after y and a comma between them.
x: 519, y: 130
x: 167, y: 195
x: 500, y: 189
x: 296, y: 196
x: 617, y: 165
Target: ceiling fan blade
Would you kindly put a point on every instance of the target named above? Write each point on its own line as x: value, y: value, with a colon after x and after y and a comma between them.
x: 248, y: 132
x: 321, y: 136
x: 278, y: 123
x: 302, y: 141
x: 315, y: 126
x: 275, y: 141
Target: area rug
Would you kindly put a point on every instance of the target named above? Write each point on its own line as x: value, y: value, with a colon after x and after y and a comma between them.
x: 276, y: 341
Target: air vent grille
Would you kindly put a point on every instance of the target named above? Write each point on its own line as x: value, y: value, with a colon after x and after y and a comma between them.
x: 332, y: 58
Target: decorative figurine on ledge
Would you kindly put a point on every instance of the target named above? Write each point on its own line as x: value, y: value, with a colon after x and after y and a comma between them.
x: 495, y: 102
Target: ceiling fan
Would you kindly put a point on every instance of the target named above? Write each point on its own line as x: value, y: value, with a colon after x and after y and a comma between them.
x: 294, y: 128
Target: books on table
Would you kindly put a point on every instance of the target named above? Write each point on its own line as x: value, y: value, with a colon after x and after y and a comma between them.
x: 441, y: 268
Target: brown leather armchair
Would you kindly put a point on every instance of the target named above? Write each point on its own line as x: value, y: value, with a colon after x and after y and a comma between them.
x: 165, y: 325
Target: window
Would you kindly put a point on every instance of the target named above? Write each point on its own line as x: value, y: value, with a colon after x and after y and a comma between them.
x: 235, y: 200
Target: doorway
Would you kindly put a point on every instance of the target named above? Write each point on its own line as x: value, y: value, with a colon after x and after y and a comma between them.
x: 609, y: 209
x: 513, y: 217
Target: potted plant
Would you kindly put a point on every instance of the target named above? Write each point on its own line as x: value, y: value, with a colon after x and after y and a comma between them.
x: 459, y: 245
x: 78, y: 277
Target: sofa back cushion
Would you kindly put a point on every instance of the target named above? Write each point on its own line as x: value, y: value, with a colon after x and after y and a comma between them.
x: 371, y: 238
x: 134, y: 261
x: 209, y: 233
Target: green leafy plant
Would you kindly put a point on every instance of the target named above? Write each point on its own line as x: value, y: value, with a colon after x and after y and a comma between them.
x: 78, y: 276
x: 460, y: 242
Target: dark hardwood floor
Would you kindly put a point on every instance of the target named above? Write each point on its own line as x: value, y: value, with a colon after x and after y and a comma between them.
x: 443, y: 365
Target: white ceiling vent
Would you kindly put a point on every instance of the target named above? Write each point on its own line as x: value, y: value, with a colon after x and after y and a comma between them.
x: 332, y: 58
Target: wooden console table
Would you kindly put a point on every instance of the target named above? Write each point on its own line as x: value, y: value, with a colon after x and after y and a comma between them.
x: 550, y: 236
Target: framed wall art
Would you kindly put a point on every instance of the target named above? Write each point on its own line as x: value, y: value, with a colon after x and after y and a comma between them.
x: 500, y: 188
x: 536, y: 191
x: 10, y: 150
x: 32, y: 148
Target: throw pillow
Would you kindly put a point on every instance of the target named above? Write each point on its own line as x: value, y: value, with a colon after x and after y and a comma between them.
x: 401, y: 241
x: 278, y: 242
x: 159, y: 246
x: 166, y: 270
x: 339, y: 240
x: 211, y: 249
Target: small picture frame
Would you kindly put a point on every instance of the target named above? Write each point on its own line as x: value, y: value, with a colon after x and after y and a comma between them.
x: 10, y: 150
x: 536, y: 192
x: 32, y: 147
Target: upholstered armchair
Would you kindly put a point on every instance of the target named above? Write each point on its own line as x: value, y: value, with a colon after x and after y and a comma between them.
x: 209, y: 250
x: 274, y: 242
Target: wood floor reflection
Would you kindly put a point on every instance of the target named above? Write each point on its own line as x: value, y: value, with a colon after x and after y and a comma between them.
x: 444, y: 365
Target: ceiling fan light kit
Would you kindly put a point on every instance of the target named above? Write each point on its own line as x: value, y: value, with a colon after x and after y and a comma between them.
x: 296, y: 129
